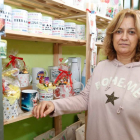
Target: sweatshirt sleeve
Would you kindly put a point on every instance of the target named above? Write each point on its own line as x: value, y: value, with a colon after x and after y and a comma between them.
x: 72, y: 104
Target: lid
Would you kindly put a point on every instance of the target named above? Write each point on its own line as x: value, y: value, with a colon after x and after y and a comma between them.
x: 74, y: 60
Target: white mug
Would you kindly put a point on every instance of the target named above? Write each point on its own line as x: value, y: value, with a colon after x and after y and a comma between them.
x: 63, y: 91
x: 77, y: 87
x: 24, y: 79
x: 53, y: 73
x: 37, y: 73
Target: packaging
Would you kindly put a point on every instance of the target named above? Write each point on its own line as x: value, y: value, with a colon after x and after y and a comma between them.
x: 6, y: 13
x: 58, y: 28
x: 70, y: 29
x: 11, y: 93
x: 3, y: 49
x: 47, y: 25
x: 20, y: 20
x: 35, y: 23
x: 80, y: 32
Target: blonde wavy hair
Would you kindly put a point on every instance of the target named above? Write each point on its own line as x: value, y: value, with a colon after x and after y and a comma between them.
x: 113, y: 27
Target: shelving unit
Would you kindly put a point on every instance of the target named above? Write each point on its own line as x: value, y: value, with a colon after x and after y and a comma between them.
x: 59, y: 10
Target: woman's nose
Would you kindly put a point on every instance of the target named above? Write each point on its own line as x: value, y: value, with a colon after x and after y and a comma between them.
x: 124, y: 36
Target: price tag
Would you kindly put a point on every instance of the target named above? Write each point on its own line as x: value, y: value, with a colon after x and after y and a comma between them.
x: 3, y: 48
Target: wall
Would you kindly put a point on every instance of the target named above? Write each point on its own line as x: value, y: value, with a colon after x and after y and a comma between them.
x: 38, y: 54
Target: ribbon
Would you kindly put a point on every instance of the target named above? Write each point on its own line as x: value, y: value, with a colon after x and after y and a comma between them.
x: 13, y: 58
x: 88, y: 10
x: 64, y: 72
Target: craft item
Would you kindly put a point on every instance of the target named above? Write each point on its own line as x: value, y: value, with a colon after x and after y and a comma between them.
x: 37, y: 73
x: 20, y: 20
x: 35, y: 23
x: 58, y: 28
x: 77, y: 86
x: 46, y: 136
x: 24, y: 79
x: 28, y: 99
x: 3, y: 49
x: 63, y: 91
x: 53, y: 72
x: 6, y: 13
x: 10, y: 111
x: 101, y: 35
x: 45, y: 95
x: 70, y: 29
x: 80, y: 32
x: 47, y: 25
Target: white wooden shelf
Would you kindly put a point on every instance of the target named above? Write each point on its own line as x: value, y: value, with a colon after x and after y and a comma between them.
x: 18, y: 35
x: 18, y: 118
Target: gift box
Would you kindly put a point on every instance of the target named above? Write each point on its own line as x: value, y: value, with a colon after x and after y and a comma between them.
x: 10, y: 111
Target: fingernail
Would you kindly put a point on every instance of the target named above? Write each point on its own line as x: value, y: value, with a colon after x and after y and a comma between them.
x: 44, y: 115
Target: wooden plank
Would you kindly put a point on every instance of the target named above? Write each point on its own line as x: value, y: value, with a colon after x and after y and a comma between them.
x: 88, y: 57
x: 57, y: 52
x: 18, y: 35
x: 18, y: 118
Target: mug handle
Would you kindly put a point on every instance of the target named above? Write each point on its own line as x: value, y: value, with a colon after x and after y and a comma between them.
x: 30, y: 79
x: 46, y: 73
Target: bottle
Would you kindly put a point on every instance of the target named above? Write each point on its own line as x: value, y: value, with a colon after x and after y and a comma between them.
x: 84, y: 74
x: 75, y: 70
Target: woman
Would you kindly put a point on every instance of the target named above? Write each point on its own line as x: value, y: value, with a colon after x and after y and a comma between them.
x: 112, y: 94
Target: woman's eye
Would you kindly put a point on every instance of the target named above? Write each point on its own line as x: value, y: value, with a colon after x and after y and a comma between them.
x: 118, y: 32
x: 131, y: 32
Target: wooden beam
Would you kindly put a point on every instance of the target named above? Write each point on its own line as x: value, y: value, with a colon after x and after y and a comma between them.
x: 57, y: 52
x: 132, y: 4
x: 88, y: 57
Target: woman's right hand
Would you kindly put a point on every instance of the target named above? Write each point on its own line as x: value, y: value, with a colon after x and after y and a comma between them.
x: 43, y: 109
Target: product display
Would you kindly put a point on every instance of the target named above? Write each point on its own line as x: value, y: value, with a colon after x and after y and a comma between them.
x: 58, y: 28
x: 35, y: 23
x: 6, y: 14
x: 20, y: 20
x: 47, y: 25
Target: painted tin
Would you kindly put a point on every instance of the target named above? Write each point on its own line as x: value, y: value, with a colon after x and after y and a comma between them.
x: 6, y: 14
x: 70, y: 29
x: 58, y: 28
x: 28, y: 99
x: 20, y: 20
x: 35, y: 23
x: 47, y: 25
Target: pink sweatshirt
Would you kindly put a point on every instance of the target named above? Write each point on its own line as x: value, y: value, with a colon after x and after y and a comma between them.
x: 112, y: 98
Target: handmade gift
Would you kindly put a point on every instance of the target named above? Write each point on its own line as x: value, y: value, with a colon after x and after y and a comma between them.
x: 11, y: 93
x: 18, y: 62
x: 63, y: 80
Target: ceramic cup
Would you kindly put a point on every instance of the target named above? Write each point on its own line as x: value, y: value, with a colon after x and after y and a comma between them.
x: 37, y: 73
x: 28, y: 99
x: 53, y: 73
x: 77, y: 86
x: 24, y: 79
x: 45, y: 95
x: 63, y: 91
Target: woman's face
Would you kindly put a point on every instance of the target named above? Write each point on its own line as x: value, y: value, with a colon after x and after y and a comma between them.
x: 125, y: 39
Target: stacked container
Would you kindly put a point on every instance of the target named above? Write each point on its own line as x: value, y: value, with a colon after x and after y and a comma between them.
x: 6, y: 14
x: 58, y: 28
x: 47, y: 25
x: 35, y: 23
x: 20, y: 20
